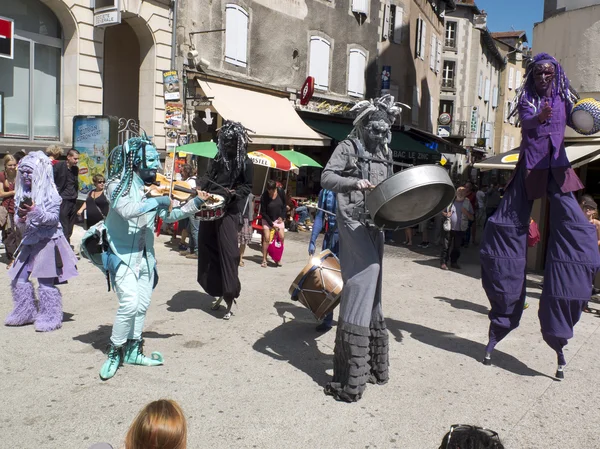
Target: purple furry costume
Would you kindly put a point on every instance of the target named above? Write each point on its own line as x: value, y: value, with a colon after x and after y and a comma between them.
x: 44, y: 252
x: 572, y: 260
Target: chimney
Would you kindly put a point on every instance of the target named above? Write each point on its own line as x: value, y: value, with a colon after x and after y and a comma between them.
x: 480, y: 20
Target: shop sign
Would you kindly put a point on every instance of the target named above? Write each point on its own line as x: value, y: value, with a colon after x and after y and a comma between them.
x: 386, y: 76
x: 443, y: 131
x: 308, y: 89
x: 328, y: 107
x: 474, y: 116
x: 413, y: 156
x: 7, y: 41
x: 171, y: 85
x: 107, y: 12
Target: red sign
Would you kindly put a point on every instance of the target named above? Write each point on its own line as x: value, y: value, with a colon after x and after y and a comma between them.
x: 308, y: 89
x: 6, y: 38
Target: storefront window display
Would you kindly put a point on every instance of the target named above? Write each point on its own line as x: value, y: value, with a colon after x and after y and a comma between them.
x: 31, y: 82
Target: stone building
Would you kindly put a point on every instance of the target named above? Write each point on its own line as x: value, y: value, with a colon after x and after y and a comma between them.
x: 67, y: 62
x: 510, y: 44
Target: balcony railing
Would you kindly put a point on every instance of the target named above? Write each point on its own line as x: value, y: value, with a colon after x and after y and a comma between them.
x: 450, y: 43
x: 448, y: 83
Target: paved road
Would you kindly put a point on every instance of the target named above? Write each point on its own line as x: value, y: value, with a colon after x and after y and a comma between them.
x: 256, y: 381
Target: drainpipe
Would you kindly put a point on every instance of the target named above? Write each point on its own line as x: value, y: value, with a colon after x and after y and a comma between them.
x: 174, y: 34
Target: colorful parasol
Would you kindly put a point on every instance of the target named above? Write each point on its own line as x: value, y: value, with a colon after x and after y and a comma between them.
x: 202, y: 149
x: 299, y: 159
x: 271, y: 159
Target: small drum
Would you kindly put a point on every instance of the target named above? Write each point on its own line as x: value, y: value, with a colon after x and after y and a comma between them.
x: 212, y: 209
x: 586, y: 116
x: 319, y: 285
x: 410, y: 197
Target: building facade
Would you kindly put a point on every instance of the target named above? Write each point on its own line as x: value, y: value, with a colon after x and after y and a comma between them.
x: 65, y: 64
x: 510, y: 44
x: 471, y: 75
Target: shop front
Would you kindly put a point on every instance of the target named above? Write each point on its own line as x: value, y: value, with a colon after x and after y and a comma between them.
x: 67, y: 63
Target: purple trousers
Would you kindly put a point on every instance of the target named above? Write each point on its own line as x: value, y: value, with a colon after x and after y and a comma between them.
x: 572, y: 260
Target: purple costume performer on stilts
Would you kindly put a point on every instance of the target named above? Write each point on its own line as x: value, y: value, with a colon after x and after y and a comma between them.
x: 44, y: 252
x: 544, y: 107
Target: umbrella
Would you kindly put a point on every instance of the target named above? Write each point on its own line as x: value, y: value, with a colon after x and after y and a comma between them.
x: 202, y: 149
x: 299, y: 159
x: 271, y: 159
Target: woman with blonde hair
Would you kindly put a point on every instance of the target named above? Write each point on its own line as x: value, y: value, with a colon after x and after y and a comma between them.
x: 160, y: 425
x: 54, y: 152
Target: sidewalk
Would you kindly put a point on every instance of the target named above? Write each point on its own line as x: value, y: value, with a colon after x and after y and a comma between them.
x: 256, y: 381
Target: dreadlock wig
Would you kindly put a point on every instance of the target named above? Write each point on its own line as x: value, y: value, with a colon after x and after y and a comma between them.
x: 124, y: 159
x: 43, y: 190
x: 382, y: 108
x: 229, y: 131
x: 561, y: 86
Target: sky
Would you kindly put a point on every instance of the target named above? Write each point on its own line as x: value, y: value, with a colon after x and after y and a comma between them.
x: 505, y: 14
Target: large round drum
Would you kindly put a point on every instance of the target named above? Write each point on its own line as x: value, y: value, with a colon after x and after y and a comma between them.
x: 586, y: 116
x: 319, y: 285
x: 410, y: 197
x: 212, y: 209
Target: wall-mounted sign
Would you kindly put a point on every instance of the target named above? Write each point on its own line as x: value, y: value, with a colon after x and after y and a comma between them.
x: 107, y: 12
x: 171, y: 85
x: 7, y: 40
x: 444, y: 118
x: 443, y: 131
x: 386, y: 75
x: 328, y: 107
x: 474, y: 117
x: 308, y: 89
x: 173, y: 115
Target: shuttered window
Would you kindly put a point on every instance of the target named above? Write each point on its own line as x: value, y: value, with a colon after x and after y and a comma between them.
x: 397, y: 16
x: 386, y: 28
x: 480, y: 85
x: 415, y: 106
x: 319, y: 62
x: 518, y: 79
x: 486, y: 93
x: 357, y: 64
x: 433, y: 53
x: 495, y: 97
x: 438, y: 59
x: 236, y: 35
x: 419, y: 29
x: 360, y: 6
x: 423, y: 39
x: 507, y: 111
x: 511, y: 75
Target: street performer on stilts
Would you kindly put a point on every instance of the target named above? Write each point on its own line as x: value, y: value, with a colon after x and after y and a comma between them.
x: 130, y: 259
x: 229, y: 175
x: 44, y: 252
x: 572, y: 260
x: 361, y: 342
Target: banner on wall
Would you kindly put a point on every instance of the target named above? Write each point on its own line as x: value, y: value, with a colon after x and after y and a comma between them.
x: 94, y: 137
x: 171, y: 85
x: 173, y: 115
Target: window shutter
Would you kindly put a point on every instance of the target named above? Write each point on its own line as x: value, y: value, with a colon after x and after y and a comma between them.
x: 385, y: 34
x: 438, y: 61
x: 486, y: 96
x: 511, y: 74
x: 433, y: 53
x: 480, y: 85
x: 236, y: 35
x: 518, y: 79
x: 360, y: 6
x: 415, y: 105
x: 357, y: 63
x: 419, y: 36
x: 319, y: 62
x: 398, y: 17
x: 423, y: 39
x: 495, y: 97
x: 507, y: 111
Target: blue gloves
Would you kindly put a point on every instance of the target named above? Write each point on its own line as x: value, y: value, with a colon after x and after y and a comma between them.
x: 311, y: 248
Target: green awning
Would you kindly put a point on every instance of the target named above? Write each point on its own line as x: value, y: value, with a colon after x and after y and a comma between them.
x: 202, y: 149
x: 403, y: 146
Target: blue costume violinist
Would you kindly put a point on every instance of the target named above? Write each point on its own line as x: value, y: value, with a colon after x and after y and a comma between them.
x: 325, y: 216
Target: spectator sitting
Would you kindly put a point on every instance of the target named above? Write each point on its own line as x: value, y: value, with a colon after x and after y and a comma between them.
x: 160, y: 425
x: 463, y: 436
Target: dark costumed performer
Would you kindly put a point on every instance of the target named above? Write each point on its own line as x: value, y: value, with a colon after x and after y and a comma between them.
x: 229, y: 175
x: 572, y: 259
x: 361, y: 342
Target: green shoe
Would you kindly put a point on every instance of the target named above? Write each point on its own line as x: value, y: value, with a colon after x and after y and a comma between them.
x: 525, y: 306
x: 114, y: 361
x: 134, y: 354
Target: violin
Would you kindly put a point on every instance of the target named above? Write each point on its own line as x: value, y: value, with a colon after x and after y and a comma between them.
x: 181, y: 189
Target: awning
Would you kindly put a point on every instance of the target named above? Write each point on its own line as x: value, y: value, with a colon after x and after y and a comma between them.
x: 273, y: 119
x: 403, y: 146
x: 578, y: 154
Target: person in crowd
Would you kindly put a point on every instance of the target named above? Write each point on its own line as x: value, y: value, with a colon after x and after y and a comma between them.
x: 129, y: 259
x: 245, y: 229
x: 96, y: 204
x: 462, y: 436
x: 20, y: 155
x: 54, y: 153
x: 492, y: 201
x: 272, y: 207
x: 325, y: 217
x: 544, y: 105
x: 44, y: 253
x: 471, y: 232
x: 159, y: 425
x: 459, y: 213
x: 408, y: 235
x: 481, y: 208
x: 191, y: 224
x: 303, y: 217
x: 10, y: 234
x: 66, y: 178
x: 229, y: 175
x: 359, y: 163
x: 424, y: 234
x: 590, y: 209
